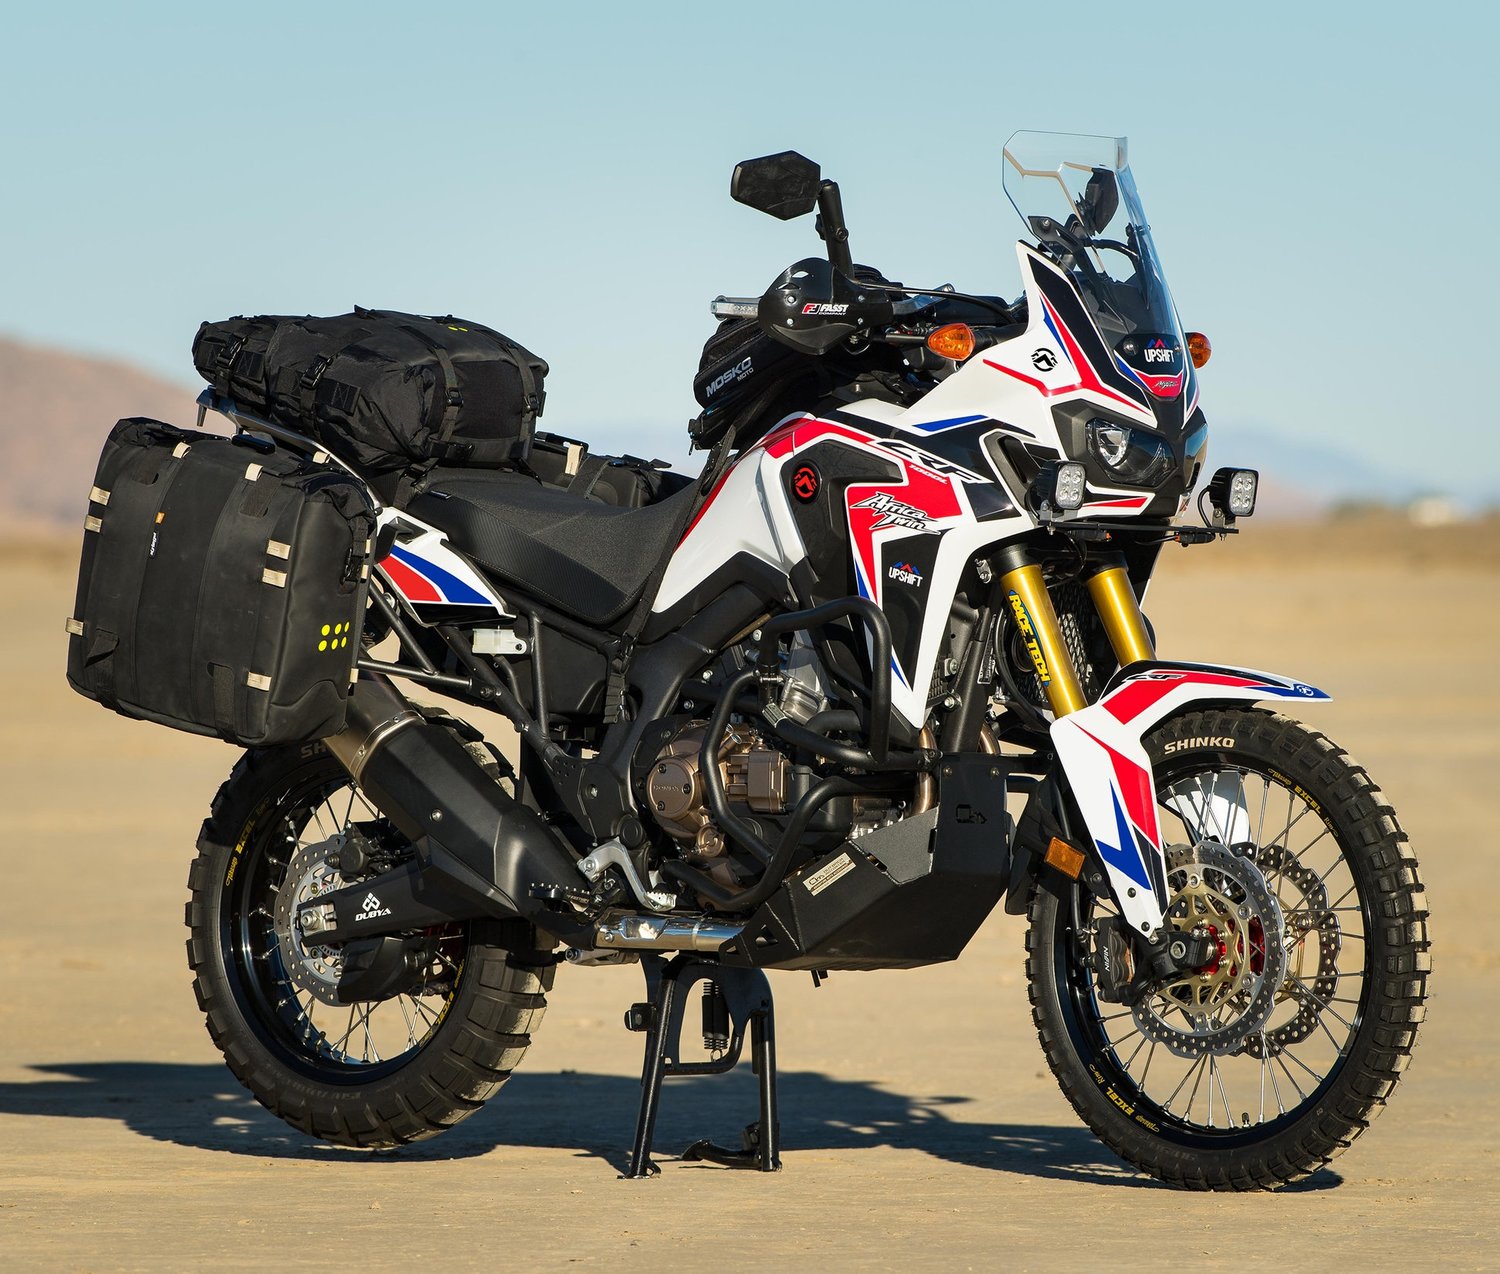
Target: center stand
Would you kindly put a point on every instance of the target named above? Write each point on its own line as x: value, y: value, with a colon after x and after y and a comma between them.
x: 735, y: 997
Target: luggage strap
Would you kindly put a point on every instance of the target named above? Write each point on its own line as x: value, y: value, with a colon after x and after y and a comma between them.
x: 452, y: 400
x: 443, y: 448
x: 589, y: 470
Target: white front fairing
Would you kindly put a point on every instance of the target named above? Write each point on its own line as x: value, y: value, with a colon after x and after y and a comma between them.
x: 1009, y: 389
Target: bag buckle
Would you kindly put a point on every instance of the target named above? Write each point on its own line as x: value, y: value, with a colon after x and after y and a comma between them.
x: 315, y: 370
x: 448, y: 451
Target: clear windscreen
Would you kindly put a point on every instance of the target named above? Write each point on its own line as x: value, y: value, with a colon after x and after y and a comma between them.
x: 1078, y: 198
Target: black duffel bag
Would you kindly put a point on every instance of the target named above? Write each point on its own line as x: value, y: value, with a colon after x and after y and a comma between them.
x: 381, y: 389
x: 627, y: 482
x: 222, y: 586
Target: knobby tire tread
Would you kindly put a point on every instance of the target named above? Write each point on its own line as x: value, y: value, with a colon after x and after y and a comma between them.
x: 1381, y: 1049
x: 498, y: 1005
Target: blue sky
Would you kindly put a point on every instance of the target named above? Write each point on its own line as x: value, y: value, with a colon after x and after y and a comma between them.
x: 1320, y: 178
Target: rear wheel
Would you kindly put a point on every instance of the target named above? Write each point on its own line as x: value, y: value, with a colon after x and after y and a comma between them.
x: 1261, y: 1065
x: 377, y: 1073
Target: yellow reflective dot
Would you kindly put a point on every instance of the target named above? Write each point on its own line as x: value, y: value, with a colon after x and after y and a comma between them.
x: 326, y: 630
x: 322, y: 645
x: 344, y: 642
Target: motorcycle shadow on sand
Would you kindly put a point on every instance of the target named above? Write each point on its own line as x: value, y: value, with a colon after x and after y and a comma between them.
x: 201, y: 1107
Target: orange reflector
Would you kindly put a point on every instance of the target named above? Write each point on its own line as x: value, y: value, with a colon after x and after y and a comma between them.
x: 952, y: 340
x: 1064, y: 857
x: 1199, y: 348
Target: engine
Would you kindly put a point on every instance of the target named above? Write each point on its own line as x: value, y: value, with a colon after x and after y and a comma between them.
x: 754, y: 775
x: 759, y: 779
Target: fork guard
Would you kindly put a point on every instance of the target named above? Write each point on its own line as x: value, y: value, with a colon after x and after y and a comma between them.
x: 1101, y: 751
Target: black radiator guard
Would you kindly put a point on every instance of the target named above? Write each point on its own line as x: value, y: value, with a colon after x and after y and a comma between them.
x: 903, y: 896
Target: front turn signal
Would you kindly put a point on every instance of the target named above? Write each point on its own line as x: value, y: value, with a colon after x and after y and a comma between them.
x: 1200, y: 350
x: 952, y: 340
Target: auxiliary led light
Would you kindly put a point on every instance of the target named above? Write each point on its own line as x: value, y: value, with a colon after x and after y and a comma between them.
x: 1232, y: 492
x: 1059, y: 487
x: 1069, y: 491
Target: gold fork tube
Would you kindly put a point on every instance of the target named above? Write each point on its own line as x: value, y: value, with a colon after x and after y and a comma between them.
x: 1120, y: 613
x: 1031, y: 608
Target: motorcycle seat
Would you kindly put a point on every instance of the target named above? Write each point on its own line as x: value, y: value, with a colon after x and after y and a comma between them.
x: 589, y: 560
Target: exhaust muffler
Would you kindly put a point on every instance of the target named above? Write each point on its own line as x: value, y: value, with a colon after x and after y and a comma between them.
x: 479, y: 851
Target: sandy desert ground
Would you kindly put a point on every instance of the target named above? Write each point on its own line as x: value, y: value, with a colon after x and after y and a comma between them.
x: 921, y: 1128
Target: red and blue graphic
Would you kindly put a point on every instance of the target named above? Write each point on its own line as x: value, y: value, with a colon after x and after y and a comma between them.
x: 1139, y: 694
x: 425, y: 583
x: 1087, y: 381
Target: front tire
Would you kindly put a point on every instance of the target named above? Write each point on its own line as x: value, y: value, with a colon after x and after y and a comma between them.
x: 1266, y: 1063
x: 376, y: 1074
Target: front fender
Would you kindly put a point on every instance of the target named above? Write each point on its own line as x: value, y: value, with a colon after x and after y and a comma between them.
x: 1101, y: 753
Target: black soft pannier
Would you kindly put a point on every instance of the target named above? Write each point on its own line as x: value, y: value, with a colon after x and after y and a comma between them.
x: 381, y: 389
x: 222, y: 586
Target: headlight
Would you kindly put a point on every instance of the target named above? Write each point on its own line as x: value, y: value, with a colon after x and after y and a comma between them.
x: 1133, y: 456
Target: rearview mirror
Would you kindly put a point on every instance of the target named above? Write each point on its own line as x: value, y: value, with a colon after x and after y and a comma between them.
x: 1100, y: 202
x: 784, y: 185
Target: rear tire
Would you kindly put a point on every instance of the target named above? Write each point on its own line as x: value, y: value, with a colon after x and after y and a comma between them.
x: 406, y: 1068
x: 1312, y: 1040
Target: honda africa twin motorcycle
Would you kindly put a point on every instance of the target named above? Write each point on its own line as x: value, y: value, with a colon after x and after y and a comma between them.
x: 881, y: 668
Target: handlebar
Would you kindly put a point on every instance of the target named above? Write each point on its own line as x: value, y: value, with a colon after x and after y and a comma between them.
x: 728, y: 307
x: 748, y: 307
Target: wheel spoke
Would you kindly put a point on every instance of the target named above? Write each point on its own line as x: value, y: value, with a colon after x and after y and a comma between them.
x: 1167, y: 1105
x: 1217, y: 1076
x: 1146, y: 1070
x: 411, y: 1026
x: 1271, y: 1070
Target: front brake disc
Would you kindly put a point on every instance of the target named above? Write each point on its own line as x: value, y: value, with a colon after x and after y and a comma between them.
x: 1218, y: 1007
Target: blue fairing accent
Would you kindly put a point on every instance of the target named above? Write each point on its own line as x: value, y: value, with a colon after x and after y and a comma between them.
x: 936, y: 426
x: 1124, y: 857
x: 452, y: 588
x: 1129, y: 371
x: 1296, y: 691
x: 1056, y: 335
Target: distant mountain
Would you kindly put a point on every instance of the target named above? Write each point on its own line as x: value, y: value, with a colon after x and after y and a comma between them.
x: 1310, y: 474
x: 55, y: 410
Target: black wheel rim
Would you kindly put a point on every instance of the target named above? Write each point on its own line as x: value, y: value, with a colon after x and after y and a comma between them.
x: 353, y: 1044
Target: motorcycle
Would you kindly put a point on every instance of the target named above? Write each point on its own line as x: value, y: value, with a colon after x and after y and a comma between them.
x: 880, y: 668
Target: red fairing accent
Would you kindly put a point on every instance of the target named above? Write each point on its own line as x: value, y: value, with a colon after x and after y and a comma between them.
x: 778, y: 444
x: 412, y: 586
x: 1135, y: 786
x: 1128, y: 502
x: 712, y: 496
x: 797, y: 434
x: 1135, y: 697
x: 1088, y: 379
x: 928, y: 492
x: 1030, y: 380
x: 1163, y: 386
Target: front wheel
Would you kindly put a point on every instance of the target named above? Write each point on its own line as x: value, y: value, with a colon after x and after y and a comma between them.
x: 377, y: 1073
x: 1260, y: 1066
